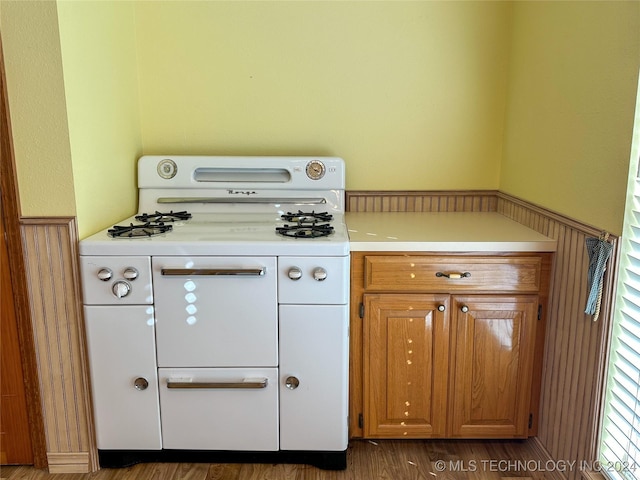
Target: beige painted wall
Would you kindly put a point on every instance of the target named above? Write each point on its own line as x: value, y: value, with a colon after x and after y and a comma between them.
x: 33, y: 66
x: 572, y: 88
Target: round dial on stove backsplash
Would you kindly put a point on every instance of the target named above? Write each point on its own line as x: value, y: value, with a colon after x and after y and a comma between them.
x: 315, y: 169
x: 167, y: 168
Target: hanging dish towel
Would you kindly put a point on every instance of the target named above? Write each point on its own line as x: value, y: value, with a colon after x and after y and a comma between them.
x: 599, y: 250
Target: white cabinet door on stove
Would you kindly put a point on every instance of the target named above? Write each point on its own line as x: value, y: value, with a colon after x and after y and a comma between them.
x: 219, y: 408
x: 124, y: 377
x: 216, y: 311
x: 314, y: 377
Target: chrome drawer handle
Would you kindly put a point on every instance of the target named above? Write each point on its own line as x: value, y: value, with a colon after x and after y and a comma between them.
x: 453, y: 275
x: 262, y: 200
x: 173, y: 272
x: 252, y: 383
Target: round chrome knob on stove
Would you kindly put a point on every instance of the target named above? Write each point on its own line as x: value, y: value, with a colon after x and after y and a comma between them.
x: 295, y: 273
x: 130, y: 273
x: 291, y: 383
x: 320, y: 274
x: 140, y: 383
x: 121, y: 289
x: 105, y: 274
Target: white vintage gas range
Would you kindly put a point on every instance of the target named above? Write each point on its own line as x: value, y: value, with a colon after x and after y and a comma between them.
x: 217, y: 318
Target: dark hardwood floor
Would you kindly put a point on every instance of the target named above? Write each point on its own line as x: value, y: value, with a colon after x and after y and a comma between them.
x: 370, y: 460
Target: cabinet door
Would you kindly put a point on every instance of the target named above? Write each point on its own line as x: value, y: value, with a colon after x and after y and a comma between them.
x: 493, y: 339
x: 122, y: 359
x: 406, y: 356
x: 314, y: 377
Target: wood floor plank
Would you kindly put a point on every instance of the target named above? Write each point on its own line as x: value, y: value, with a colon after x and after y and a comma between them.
x: 366, y: 460
x: 224, y: 471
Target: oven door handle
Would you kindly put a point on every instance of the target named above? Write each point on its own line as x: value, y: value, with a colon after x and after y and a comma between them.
x: 246, y: 383
x: 213, y: 272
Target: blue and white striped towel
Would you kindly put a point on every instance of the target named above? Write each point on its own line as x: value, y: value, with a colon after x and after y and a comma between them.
x: 599, y: 251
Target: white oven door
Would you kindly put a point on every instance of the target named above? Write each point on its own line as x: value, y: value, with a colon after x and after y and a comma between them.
x: 216, y: 311
x: 219, y: 408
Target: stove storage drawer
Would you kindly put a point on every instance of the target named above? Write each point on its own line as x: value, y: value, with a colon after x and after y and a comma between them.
x: 124, y: 380
x: 216, y: 311
x: 219, y: 408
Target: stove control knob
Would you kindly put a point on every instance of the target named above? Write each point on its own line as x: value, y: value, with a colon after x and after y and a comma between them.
x: 121, y: 289
x: 295, y: 273
x: 320, y: 274
x: 130, y: 273
x: 105, y: 274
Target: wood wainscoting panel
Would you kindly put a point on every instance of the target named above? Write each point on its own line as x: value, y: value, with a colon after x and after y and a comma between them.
x: 56, y: 310
x: 576, y: 347
x: 421, y: 201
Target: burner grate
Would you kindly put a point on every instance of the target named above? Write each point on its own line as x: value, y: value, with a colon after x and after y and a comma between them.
x: 307, y: 218
x: 305, y: 231
x: 145, y: 230
x: 163, y: 216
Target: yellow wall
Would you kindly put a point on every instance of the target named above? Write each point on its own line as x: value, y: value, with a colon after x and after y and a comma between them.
x: 37, y: 105
x: 572, y: 89
x: 410, y: 94
x: 100, y: 75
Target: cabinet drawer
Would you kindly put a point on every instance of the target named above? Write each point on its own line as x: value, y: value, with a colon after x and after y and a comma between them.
x: 451, y: 274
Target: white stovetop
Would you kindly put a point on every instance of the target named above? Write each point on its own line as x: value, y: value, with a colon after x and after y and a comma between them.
x: 442, y: 232
x: 221, y: 234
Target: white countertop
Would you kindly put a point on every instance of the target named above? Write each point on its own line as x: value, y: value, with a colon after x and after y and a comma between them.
x: 442, y: 232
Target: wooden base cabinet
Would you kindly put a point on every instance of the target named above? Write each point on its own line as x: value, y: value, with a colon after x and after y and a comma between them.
x: 406, y: 363
x: 492, y: 354
x: 446, y: 347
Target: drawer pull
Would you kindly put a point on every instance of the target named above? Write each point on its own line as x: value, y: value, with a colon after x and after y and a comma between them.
x: 258, y: 272
x: 464, y: 309
x: 453, y: 276
x: 253, y: 383
x: 441, y: 308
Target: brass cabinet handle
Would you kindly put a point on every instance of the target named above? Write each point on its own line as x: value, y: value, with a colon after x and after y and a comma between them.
x: 453, y: 276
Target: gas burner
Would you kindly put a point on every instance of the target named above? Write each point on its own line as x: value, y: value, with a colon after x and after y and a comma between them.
x: 164, y: 217
x: 307, y: 218
x: 305, y: 231
x: 132, y: 231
